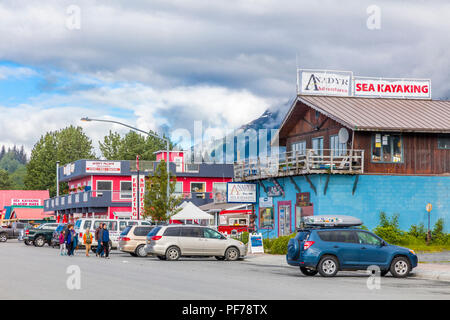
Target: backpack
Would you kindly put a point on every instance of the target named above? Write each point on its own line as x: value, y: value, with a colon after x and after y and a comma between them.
x: 88, y: 238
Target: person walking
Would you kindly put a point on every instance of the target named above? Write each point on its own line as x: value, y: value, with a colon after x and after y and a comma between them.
x: 62, y: 243
x: 75, y: 243
x: 98, y: 237
x: 69, y: 239
x: 105, y: 241
x: 87, y: 238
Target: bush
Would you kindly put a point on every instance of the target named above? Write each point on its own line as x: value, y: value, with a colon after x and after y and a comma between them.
x: 418, y: 231
x: 277, y: 245
x: 389, y: 230
x: 437, y: 234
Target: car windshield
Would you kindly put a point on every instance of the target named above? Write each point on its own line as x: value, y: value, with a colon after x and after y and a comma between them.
x: 154, y: 232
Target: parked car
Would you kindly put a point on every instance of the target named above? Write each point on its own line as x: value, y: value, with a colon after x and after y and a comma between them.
x: 174, y: 241
x: 115, y: 227
x: 14, y: 231
x: 40, y: 235
x: 133, y: 239
x: 329, y: 250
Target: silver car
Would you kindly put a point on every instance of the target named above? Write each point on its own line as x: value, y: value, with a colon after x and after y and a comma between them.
x: 174, y: 241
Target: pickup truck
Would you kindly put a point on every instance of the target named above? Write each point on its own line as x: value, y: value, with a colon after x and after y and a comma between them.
x: 40, y: 235
x: 15, y: 231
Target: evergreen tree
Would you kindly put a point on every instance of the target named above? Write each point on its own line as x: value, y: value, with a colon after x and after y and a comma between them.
x: 156, y: 204
x: 5, y: 180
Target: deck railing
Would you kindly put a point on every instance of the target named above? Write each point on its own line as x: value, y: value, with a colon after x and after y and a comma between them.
x: 297, y: 163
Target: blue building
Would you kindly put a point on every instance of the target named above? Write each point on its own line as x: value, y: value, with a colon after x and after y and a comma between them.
x: 355, y: 156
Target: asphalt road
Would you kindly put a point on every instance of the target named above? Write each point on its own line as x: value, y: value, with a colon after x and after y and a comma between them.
x: 27, y: 272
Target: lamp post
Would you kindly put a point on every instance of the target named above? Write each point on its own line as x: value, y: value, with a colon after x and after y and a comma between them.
x: 149, y: 134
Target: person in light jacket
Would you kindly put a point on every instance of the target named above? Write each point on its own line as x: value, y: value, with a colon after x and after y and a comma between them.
x: 87, y: 239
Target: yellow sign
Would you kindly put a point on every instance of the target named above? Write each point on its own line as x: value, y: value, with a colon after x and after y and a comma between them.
x: 429, y: 207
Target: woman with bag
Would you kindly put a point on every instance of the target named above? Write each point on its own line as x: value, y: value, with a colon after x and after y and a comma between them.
x: 87, y: 238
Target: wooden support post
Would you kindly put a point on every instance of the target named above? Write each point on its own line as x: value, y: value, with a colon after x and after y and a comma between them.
x: 326, y: 185
x: 311, y: 184
x: 295, y: 184
x: 355, y: 183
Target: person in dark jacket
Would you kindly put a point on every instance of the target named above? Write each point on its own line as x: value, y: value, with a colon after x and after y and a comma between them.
x: 105, y: 241
x: 98, y: 237
x: 69, y: 240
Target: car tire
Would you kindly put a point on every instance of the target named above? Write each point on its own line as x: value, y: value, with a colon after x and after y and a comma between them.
x: 400, y: 267
x: 28, y: 242
x: 140, y: 251
x: 173, y: 253
x: 39, y: 242
x: 232, y: 254
x: 161, y: 257
x: 383, y: 273
x: 308, y: 272
x: 220, y: 258
x: 133, y: 254
x: 328, y: 266
x: 3, y: 237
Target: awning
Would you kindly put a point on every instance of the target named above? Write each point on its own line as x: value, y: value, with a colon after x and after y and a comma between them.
x: 122, y: 214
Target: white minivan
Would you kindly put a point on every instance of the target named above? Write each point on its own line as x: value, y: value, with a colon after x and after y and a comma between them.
x: 115, y: 228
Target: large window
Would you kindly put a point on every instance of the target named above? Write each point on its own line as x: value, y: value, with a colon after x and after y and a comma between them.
x: 125, y: 189
x: 104, y: 185
x: 338, y: 149
x: 299, y: 147
x: 387, y: 148
x: 178, y: 188
x: 444, y: 141
x: 199, y: 188
x: 266, y: 218
x: 317, y: 145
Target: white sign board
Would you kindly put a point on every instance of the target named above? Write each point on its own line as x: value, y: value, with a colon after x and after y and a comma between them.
x: 392, y: 88
x: 26, y: 202
x: 241, y: 192
x: 323, y: 82
x: 103, y: 166
x: 255, y: 243
x: 265, y: 202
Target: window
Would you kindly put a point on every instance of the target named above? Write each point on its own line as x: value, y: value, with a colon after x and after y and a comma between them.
x: 124, y: 229
x: 193, y: 232
x: 345, y: 236
x: 87, y: 224
x: 125, y: 189
x: 104, y: 185
x: 154, y: 232
x: 211, y: 234
x: 387, y: 148
x: 299, y: 147
x: 266, y: 218
x: 178, y: 188
x: 172, y: 232
x: 443, y: 141
x: 367, y: 238
x: 142, y: 231
x: 199, y: 187
x: 317, y: 145
x: 339, y: 149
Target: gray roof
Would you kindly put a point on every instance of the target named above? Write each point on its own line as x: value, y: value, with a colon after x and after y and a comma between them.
x: 379, y: 114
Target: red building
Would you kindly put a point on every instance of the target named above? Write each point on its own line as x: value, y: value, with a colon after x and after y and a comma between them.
x: 109, y: 189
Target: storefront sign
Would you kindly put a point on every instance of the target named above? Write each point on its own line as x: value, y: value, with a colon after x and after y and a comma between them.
x: 134, y: 196
x: 392, y: 88
x: 302, y: 199
x: 265, y: 202
x: 256, y: 244
x: 103, y: 166
x: 323, y: 82
x: 26, y: 202
x: 241, y: 192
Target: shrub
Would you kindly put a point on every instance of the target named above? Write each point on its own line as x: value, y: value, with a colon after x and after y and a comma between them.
x: 277, y: 245
x: 437, y: 234
x: 388, y: 229
x: 418, y: 231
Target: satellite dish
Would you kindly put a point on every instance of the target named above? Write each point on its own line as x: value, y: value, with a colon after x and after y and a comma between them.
x: 343, y: 135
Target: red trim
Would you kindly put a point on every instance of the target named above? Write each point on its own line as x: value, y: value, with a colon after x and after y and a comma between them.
x: 236, y: 211
x: 285, y: 203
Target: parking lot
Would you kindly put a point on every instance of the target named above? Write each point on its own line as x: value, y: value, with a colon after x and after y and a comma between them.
x: 27, y: 272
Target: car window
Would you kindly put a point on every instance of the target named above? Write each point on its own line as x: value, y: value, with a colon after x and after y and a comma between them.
x: 123, y: 226
x: 78, y: 224
x: 142, y: 231
x: 367, y: 238
x: 211, y: 234
x: 87, y: 224
x: 172, y: 232
x: 192, y: 232
x: 132, y: 223
x: 145, y: 223
x: 126, y: 230
x: 154, y: 232
x: 345, y: 236
x: 98, y: 223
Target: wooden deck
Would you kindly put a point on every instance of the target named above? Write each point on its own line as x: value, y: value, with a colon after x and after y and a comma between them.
x: 295, y: 163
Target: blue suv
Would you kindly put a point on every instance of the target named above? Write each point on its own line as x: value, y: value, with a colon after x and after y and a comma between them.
x: 329, y: 250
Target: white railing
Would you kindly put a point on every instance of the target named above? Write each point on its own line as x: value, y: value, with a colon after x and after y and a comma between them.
x: 296, y: 163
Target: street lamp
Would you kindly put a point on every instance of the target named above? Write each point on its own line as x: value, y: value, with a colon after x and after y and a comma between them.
x: 149, y: 134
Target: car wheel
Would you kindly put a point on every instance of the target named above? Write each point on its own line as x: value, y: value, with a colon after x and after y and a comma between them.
x: 308, y: 272
x: 219, y: 258
x: 232, y: 254
x: 173, y: 254
x: 133, y: 254
x: 161, y: 257
x: 3, y: 237
x: 328, y: 266
x: 400, y: 267
x: 140, y: 251
x: 28, y: 242
x: 384, y: 272
x: 39, y: 242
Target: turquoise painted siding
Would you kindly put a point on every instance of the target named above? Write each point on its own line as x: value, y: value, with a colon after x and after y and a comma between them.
x: 405, y: 195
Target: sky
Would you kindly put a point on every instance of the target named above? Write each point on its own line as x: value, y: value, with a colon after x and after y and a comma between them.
x: 164, y: 64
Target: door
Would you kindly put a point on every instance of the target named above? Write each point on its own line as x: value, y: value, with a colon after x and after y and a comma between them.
x: 191, y: 241
x: 371, y: 250
x: 214, y: 243
x: 284, y: 218
x: 344, y: 244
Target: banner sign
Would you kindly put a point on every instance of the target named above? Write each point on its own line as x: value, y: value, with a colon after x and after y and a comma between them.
x: 265, y: 202
x: 103, y: 166
x: 241, y: 192
x: 392, y: 88
x: 134, y: 193
x: 26, y: 202
x: 323, y: 82
x: 256, y: 243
